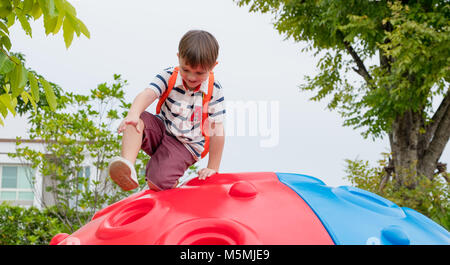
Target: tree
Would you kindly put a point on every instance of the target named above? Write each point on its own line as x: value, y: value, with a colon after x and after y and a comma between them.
x: 18, y: 82
x: 79, y: 135
x: 400, y: 51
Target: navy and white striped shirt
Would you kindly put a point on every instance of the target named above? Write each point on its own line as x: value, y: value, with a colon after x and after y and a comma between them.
x: 178, y: 109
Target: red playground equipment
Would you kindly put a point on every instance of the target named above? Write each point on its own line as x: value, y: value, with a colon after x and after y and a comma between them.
x: 257, y: 208
x: 245, y: 208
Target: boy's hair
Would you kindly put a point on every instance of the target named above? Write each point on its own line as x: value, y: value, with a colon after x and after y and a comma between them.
x: 199, y: 47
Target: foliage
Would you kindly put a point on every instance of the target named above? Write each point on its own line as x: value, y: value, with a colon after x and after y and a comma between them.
x: 406, y: 43
x: 429, y: 197
x: 18, y: 81
x: 22, y: 106
x: 28, y: 226
x: 79, y: 133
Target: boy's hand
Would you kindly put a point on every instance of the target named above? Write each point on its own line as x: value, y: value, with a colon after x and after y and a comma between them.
x: 129, y: 120
x: 205, y: 172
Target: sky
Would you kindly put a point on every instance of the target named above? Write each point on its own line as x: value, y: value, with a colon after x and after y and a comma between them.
x: 259, y: 70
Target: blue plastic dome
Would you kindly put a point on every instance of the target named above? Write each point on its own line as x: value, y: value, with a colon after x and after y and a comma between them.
x: 355, y: 216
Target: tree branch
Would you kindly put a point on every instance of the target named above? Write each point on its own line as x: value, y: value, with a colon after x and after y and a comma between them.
x: 441, y: 133
x: 361, y: 70
x: 436, y: 119
x: 10, y: 58
x: 389, y: 169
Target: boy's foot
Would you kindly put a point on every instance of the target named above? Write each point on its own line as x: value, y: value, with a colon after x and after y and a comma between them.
x: 122, y: 172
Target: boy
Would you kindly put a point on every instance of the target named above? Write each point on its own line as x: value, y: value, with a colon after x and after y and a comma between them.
x: 189, y: 119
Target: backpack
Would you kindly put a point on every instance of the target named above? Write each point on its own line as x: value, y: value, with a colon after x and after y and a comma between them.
x: 206, y: 98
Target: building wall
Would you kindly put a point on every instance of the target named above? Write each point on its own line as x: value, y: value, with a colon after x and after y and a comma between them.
x: 18, y: 127
x: 23, y: 174
x: 40, y: 183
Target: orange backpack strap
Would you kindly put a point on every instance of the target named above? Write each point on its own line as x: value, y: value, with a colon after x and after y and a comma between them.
x: 205, y: 121
x: 172, y: 80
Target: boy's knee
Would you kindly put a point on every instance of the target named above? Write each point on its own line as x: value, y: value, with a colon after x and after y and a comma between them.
x: 159, y: 184
x: 152, y: 186
x: 139, y: 127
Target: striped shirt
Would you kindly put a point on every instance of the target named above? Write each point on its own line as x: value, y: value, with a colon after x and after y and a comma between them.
x: 177, y: 112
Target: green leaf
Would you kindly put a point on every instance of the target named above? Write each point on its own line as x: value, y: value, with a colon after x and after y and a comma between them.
x: 23, y: 78
x: 69, y: 8
x: 18, y: 79
x: 84, y: 29
x: 11, y: 19
x: 6, y: 42
x: 74, y: 23
x: 60, y: 6
x: 68, y: 32
x: 3, y: 110
x: 4, y: 27
x: 50, y: 24
x: 33, y: 103
x: 27, y: 6
x: 51, y: 8
x: 34, y: 86
x: 24, y: 97
x: 49, y: 93
x: 48, y: 7
x: 36, y: 12
x: 6, y: 65
x: 15, y: 60
x: 59, y: 23
x: 24, y: 22
x: 8, y: 102
x: 5, y: 8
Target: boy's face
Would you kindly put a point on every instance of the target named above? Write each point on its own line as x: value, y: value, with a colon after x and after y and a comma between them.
x: 193, y: 77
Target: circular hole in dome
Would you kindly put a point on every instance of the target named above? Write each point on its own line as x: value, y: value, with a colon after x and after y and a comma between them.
x: 209, y: 231
x: 132, y: 212
x: 210, y: 236
x: 211, y: 241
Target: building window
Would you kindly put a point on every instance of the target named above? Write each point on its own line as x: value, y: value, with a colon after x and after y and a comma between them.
x: 85, y: 173
x: 16, y: 183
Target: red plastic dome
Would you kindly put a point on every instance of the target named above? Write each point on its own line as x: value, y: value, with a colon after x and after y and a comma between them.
x: 225, y: 209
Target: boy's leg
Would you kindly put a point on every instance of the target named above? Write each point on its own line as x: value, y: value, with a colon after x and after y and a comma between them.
x: 153, y: 136
x: 168, y: 164
x: 132, y: 141
x: 121, y: 169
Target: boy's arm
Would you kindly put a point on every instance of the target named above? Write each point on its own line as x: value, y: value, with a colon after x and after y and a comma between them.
x: 216, y: 143
x: 140, y: 103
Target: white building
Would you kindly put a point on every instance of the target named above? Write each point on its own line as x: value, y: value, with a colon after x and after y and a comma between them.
x: 16, y: 176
